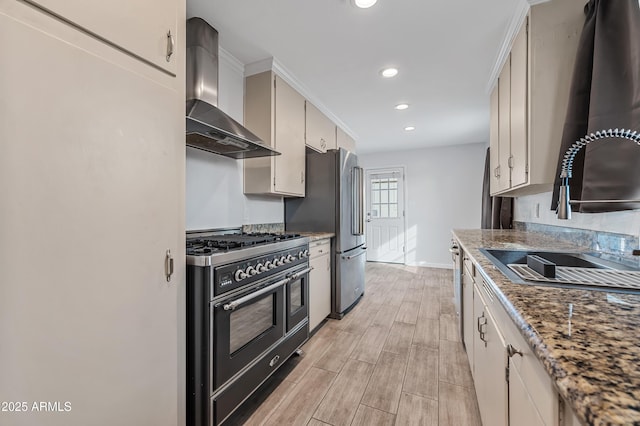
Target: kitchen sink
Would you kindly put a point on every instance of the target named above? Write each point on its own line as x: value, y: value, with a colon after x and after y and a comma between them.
x: 584, y: 270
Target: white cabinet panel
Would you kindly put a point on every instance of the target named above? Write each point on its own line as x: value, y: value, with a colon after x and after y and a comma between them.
x: 139, y: 26
x: 92, y: 188
x: 343, y: 140
x: 533, y: 96
x: 274, y: 111
x: 320, y: 132
x: 319, y: 283
x: 489, y: 365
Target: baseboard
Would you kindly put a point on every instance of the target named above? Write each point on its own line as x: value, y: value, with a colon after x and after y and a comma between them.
x: 431, y: 265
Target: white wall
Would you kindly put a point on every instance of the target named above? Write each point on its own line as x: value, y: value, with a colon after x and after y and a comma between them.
x: 526, y: 210
x: 443, y: 191
x: 214, y: 197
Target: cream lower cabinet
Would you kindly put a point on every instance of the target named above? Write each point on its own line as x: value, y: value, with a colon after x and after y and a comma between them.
x: 511, y: 385
x: 468, y: 323
x: 319, y: 282
x: 274, y: 111
x: 489, y: 359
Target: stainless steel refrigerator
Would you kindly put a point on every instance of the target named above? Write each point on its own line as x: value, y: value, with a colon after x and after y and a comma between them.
x: 334, y: 202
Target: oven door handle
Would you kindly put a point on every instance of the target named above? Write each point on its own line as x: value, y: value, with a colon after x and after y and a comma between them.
x: 234, y: 304
x: 300, y: 273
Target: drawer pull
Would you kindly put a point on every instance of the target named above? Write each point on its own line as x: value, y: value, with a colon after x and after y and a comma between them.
x: 274, y: 360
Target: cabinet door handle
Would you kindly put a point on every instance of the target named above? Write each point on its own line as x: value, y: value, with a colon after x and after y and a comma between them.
x: 511, y: 351
x: 170, y: 45
x: 168, y: 265
x: 301, y: 177
x: 482, y: 322
x: 510, y: 162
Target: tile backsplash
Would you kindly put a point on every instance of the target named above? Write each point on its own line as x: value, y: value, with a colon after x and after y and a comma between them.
x: 602, y: 241
x: 263, y: 227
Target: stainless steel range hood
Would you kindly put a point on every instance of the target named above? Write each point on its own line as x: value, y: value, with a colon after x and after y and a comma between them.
x: 208, y: 128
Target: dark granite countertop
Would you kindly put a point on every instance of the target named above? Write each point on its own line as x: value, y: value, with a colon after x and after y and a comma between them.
x: 588, y: 341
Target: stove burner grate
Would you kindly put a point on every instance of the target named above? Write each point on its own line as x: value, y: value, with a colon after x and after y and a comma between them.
x: 226, y: 242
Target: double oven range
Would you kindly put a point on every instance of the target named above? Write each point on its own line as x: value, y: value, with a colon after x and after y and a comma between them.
x: 247, y: 313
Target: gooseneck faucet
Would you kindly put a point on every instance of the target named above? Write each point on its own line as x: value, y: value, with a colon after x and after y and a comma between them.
x: 564, y: 203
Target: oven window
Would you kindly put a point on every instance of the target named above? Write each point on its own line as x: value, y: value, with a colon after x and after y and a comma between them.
x: 250, y: 321
x: 296, y: 296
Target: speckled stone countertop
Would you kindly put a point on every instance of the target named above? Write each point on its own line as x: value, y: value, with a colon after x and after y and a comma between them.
x: 592, y: 352
x: 315, y: 236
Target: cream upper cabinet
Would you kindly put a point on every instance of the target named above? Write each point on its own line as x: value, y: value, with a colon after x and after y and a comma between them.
x: 533, y: 93
x: 152, y: 39
x: 504, y: 127
x: 274, y: 111
x: 320, y: 132
x: 343, y: 140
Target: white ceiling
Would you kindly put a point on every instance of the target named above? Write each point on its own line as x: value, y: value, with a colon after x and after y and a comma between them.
x: 444, y: 49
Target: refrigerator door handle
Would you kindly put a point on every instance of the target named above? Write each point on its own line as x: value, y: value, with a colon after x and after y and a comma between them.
x: 357, y: 201
x: 364, y: 250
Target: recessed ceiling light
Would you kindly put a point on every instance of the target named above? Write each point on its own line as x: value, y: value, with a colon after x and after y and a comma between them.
x: 389, y: 72
x: 409, y: 128
x: 401, y: 106
x: 365, y: 3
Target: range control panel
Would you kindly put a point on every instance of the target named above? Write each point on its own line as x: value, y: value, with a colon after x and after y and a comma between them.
x: 232, y: 276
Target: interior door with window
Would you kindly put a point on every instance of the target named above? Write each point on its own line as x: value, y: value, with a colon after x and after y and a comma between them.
x: 385, y: 215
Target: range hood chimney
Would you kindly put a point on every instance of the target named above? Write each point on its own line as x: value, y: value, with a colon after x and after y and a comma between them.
x: 208, y: 128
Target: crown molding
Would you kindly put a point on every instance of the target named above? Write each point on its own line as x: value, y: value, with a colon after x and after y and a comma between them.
x: 515, y: 23
x: 272, y: 64
x: 232, y: 61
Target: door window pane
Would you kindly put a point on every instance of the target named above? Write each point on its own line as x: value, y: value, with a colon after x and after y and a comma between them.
x: 384, y: 196
x: 250, y: 321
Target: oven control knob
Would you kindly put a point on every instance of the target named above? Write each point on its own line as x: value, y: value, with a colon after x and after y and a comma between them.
x: 260, y: 268
x: 240, y: 275
x: 303, y: 254
x: 306, y: 253
x: 269, y: 265
x: 289, y: 259
x: 283, y: 260
x: 251, y: 271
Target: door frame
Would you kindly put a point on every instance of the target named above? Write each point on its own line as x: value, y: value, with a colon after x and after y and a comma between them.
x: 388, y: 169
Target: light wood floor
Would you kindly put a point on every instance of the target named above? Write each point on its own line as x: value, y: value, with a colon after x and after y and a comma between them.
x: 395, y: 359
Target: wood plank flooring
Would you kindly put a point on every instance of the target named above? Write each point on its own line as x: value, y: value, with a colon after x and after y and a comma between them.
x: 395, y: 359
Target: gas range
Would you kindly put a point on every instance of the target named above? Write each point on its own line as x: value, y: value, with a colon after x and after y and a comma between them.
x: 239, y: 259
x: 247, y: 302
